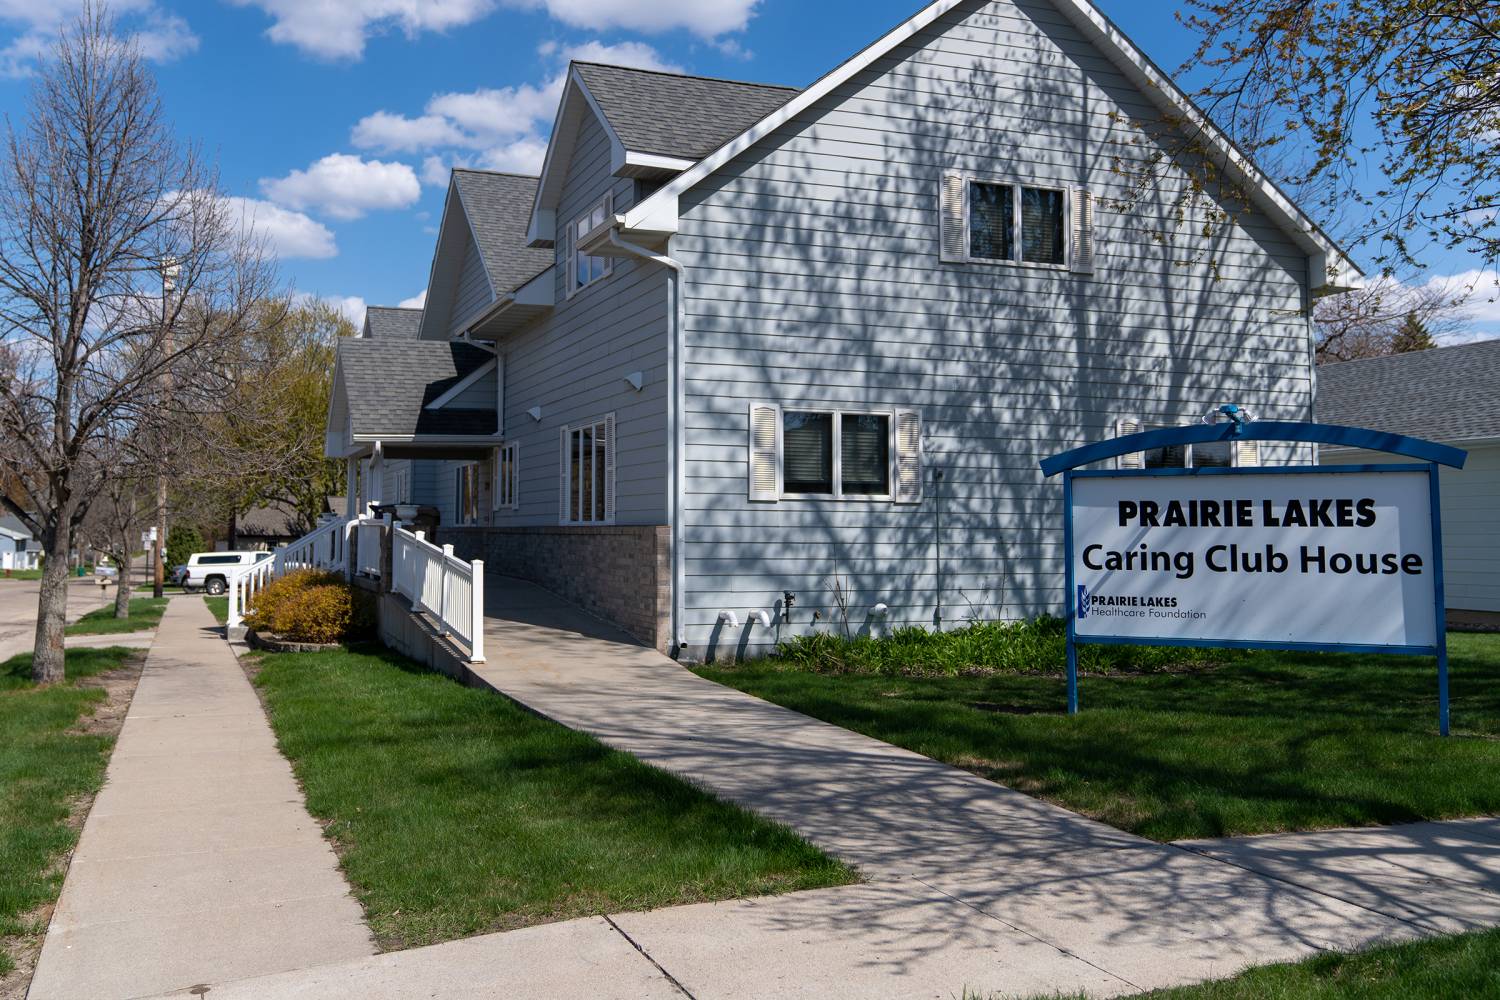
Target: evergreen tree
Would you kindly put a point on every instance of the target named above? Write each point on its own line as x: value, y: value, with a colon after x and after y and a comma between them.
x: 1412, y: 335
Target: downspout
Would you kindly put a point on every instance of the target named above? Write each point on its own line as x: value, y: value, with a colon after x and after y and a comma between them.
x: 675, y: 454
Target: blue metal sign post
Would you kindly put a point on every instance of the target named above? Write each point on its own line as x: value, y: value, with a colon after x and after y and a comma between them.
x: 1430, y: 454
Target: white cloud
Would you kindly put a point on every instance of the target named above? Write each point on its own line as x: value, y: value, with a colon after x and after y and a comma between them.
x: 351, y: 306
x: 417, y: 301
x: 705, y: 18
x: 497, y: 128
x: 286, y: 233
x: 338, y: 29
x: 399, y: 134
x: 161, y: 36
x: 346, y: 187
x: 1481, y: 295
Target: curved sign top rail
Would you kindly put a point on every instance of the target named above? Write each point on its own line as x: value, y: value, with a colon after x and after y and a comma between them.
x: 1257, y: 430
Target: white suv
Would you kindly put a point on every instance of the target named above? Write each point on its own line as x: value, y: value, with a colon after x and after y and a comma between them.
x: 211, y: 570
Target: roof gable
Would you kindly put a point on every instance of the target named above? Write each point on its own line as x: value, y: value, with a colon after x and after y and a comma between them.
x: 657, y: 215
x: 392, y: 322
x: 487, y: 211
x: 1442, y: 394
x: 658, y: 125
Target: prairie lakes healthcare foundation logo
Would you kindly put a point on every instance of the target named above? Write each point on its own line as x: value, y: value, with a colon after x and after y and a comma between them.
x: 1083, y: 601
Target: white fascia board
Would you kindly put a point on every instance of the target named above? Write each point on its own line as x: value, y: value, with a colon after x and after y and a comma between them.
x: 540, y: 292
x: 464, y: 383
x: 632, y: 161
x: 660, y: 213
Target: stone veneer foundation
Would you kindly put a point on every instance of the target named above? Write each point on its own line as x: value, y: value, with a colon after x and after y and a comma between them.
x: 622, y: 573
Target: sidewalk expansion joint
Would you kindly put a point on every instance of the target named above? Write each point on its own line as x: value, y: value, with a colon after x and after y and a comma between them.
x: 647, y: 956
x: 1031, y: 934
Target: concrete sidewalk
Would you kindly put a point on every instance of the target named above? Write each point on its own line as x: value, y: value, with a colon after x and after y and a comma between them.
x: 971, y: 885
x: 199, y: 861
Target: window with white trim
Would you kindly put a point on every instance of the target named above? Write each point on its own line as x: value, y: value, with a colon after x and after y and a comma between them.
x: 507, y: 476
x: 401, y: 485
x: 586, y: 472
x: 468, y: 483
x: 994, y: 221
x: 1205, y: 455
x: 840, y: 454
x: 584, y: 270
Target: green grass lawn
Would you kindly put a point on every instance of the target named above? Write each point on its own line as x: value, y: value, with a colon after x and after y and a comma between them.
x: 43, y: 767
x: 218, y: 607
x: 1265, y: 742
x: 455, y: 812
x: 22, y: 574
x: 145, y: 614
x: 1462, y: 967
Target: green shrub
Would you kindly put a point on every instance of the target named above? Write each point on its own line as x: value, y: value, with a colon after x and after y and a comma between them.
x: 1033, y: 646
x: 313, y: 606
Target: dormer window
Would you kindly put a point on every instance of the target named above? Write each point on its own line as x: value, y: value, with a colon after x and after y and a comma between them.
x: 584, y: 270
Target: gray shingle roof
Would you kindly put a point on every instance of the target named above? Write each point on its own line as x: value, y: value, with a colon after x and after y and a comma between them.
x: 499, y: 208
x: 1444, y: 394
x: 392, y: 322
x: 388, y: 384
x: 673, y: 115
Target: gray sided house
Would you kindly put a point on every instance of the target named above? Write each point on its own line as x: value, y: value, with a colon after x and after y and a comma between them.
x: 1447, y: 394
x: 746, y: 342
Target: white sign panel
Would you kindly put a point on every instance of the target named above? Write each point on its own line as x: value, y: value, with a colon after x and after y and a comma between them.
x: 1339, y: 558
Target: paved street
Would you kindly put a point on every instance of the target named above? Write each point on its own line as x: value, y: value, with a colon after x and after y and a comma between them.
x: 18, y: 599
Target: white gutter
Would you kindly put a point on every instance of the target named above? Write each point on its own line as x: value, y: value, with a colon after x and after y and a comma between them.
x: 676, y: 455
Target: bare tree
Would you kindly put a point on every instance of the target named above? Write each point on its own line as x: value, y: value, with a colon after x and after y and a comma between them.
x: 1369, y: 322
x: 117, y: 517
x: 97, y: 196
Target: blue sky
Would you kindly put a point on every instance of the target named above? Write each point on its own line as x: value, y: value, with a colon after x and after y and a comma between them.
x: 337, y: 120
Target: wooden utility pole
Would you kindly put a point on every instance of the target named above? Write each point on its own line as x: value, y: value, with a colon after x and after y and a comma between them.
x: 168, y: 283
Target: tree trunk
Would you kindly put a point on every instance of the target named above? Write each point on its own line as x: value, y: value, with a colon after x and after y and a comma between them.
x: 122, y: 584
x: 52, y: 608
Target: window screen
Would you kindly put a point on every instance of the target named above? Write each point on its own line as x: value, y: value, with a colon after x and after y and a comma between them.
x: 865, y: 454
x: 807, y: 452
x: 991, y: 221
x: 1042, y: 218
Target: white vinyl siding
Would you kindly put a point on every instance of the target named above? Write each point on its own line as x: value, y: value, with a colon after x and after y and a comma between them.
x: 817, y: 272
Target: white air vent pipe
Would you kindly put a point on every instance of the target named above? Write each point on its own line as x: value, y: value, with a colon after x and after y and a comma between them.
x: 729, y: 618
x: 761, y: 618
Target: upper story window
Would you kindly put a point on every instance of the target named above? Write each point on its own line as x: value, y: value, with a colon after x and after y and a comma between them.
x: 996, y: 221
x: 584, y: 270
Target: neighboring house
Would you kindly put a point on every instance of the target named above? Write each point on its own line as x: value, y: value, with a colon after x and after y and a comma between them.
x: 391, y: 323
x: 264, y: 528
x: 1447, y: 394
x: 740, y: 341
x: 18, y: 549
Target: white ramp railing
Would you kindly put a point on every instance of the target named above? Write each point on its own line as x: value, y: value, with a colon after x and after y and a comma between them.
x: 370, y: 542
x: 325, y: 548
x: 442, y: 585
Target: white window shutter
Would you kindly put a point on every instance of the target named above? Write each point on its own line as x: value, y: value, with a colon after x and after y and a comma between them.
x: 609, y: 470
x: 1134, y: 460
x: 609, y: 214
x: 1247, y: 453
x: 1082, y: 257
x: 908, y: 457
x: 765, y: 427
x: 952, y: 209
x: 562, y: 477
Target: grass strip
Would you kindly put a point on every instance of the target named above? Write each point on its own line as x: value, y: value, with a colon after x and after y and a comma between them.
x: 45, y: 763
x: 1268, y: 742
x: 455, y: 812
x: 145, y: 615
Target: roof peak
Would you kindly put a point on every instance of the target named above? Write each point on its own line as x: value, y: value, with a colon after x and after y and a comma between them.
x: 409, y: 309
x: 687, y: 76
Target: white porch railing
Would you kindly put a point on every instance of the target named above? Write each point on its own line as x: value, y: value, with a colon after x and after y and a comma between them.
x: 442, y: 585
x: 325, y: 548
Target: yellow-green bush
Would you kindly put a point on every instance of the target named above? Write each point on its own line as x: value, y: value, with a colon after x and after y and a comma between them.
x: 312, y: 606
